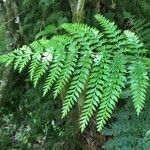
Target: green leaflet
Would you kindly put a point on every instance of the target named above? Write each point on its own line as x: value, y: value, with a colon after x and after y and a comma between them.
x: 139, y: 84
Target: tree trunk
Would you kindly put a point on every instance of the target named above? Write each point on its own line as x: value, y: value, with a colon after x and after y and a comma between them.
x: 77, y: 9
x: 14, y: 36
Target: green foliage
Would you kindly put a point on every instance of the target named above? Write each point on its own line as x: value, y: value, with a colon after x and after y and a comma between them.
x: 48, y: 30
x: 46, y: 15
x: 91, y: 62
x: 2, y: 35
x: 2, y: 39
x: 128, y: 131
x: 139, y: 80
x: 142, y: 28
x: 35, y: 123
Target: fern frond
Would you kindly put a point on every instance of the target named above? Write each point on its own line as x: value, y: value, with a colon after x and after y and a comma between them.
x: 7, y: 59
x: 134, y: 45
x: 43, y: 50
x: 41, y: 69
x: 80, y: 29
x: 18, y: 58
x: 78, y: 82
x: 55, y: 71
x: 95, y: 87
x: 139, y: 84
x: 67, y: 70
x: 60, y: 40
x: 109, y: 27
x: 37, y: 46
x: 25, y: 58
x: 87, y: 57
x: 86, y: 36
x: 35, y: 62
x: 112, y: 89
x: 142, y: 28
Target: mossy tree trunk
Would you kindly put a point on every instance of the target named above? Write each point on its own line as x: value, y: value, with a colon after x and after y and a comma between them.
x: 13, y: 34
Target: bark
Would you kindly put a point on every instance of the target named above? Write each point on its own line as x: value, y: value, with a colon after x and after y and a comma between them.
x: 14, y: 36
x: 77, y: 9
